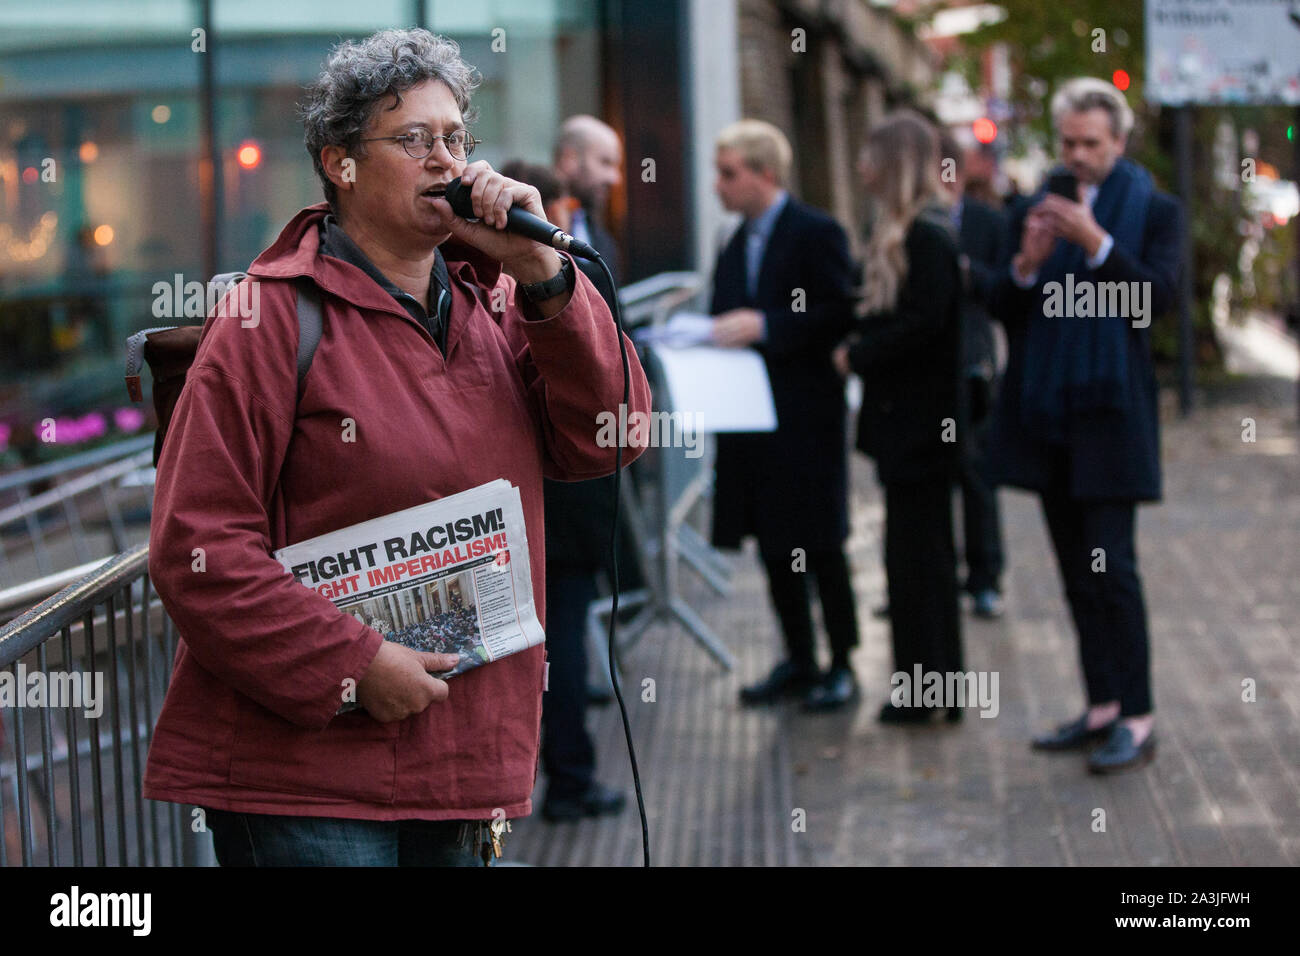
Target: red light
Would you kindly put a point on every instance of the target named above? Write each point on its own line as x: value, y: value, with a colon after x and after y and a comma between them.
x: 249, y: 154
x: 1120, y: 79
x: 985, y: 130
x: 30, y: 175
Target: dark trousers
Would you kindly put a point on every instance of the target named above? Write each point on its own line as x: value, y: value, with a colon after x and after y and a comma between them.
x: 982, y: 525
x: 568, y: 756
x: 789, y: 591
x: 921, y: 565
x: 1108, y: 609
x: 259, y: 839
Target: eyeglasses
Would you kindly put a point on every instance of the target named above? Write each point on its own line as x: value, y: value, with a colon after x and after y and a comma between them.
x: 419, y: 142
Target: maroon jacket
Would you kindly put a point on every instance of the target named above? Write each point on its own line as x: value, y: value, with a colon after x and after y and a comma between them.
x: 249, y: 720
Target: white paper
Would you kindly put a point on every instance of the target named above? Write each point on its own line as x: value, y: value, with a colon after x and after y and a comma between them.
x: 725, y: 390
x: 681, y: 331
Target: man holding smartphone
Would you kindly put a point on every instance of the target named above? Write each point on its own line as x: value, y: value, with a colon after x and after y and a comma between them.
x: 1077, y: 418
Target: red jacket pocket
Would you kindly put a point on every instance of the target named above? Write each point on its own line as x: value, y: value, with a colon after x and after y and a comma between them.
x: 353, y: 758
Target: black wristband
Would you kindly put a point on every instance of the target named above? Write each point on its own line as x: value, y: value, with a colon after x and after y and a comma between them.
x: 559, y: 283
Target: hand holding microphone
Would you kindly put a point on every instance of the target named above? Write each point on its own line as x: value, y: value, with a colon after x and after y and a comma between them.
x: 503, y: 205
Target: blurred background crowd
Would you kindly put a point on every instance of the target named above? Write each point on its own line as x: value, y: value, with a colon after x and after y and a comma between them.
x: 142, y: 140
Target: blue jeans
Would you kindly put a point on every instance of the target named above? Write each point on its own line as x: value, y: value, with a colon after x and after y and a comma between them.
x: 259, y: 839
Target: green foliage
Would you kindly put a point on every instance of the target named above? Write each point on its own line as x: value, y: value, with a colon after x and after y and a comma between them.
x: 1050, y: 43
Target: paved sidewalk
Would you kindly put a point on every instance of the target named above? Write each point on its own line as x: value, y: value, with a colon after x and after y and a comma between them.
x: 1220, y: 560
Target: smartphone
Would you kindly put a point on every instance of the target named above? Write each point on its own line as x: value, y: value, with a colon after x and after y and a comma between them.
x: 1064, y: 183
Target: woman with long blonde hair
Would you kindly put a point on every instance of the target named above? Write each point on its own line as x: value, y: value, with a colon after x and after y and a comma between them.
x: 907, y: 351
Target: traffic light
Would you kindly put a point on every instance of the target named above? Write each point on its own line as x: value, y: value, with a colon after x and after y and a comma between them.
x: 249, y: 154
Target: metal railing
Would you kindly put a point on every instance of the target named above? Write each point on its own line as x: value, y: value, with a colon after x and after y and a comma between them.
x: 97, y: 655
x: 74, y: 510
x: 71, y: 768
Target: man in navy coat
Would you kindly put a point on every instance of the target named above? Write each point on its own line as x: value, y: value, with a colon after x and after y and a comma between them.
x: 784, y: 286
x: 1077, y: 415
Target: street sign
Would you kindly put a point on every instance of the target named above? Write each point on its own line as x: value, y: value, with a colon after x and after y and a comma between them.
x: 1223, y: 51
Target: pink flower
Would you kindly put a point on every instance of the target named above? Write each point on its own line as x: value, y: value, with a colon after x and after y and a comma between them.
x: 128, y: 419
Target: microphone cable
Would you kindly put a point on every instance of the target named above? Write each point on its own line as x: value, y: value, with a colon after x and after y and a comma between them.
x: 613, y: 561
x: 459, y: 199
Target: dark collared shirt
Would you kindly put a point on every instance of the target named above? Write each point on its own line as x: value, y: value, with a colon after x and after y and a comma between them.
x: 337, y: 243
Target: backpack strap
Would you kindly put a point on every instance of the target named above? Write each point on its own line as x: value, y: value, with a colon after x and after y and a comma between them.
x: 222, y: 283
x: 135, y: 359
x: 309, y: 326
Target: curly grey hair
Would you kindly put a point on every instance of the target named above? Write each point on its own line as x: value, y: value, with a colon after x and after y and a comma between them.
x: 360, y: 73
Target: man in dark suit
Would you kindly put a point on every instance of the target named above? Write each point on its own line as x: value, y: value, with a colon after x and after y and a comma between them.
x: 589, y: 158
x: 784, y: 286
x: 1077, y: 417
x: 579, y: 517
x: 982, y: 235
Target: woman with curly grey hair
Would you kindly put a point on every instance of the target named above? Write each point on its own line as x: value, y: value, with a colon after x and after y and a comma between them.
x: 451, y: 353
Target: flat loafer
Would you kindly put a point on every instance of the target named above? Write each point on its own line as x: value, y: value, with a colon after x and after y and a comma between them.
x: 1073, y: 736
x: 1119, y: 753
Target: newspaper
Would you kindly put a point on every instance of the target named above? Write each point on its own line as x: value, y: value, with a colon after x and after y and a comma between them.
x: 450, y: 576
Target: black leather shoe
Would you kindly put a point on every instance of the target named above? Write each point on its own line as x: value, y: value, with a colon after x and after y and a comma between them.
x: 891, y: 713
x: 837, y: 689
x: 786, y: 680
x: 1073, y: 736
x: 598, y: 801
x: 1119, y: 753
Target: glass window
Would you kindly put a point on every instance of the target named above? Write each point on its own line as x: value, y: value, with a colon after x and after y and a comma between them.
x: 101, y: 149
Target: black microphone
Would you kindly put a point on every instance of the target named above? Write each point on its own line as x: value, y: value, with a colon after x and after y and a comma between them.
x: 521, y: 223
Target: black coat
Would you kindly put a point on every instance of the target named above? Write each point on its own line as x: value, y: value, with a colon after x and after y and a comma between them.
x: 1108, y: 456
x: 580, y: 514
x: 790, y: 487
x: 604, y: 244
x: 910, y: 363
x: 984, y: 242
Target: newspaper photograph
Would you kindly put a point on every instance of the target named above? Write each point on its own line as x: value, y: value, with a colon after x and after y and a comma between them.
x: 450, y: 576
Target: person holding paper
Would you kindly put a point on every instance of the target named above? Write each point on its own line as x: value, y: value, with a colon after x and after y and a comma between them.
x: 452, y: 353
x: 907, y: 351
x: 783, y: 285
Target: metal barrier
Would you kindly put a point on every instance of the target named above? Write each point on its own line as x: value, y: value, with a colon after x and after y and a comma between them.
x: 91, y: 490
x: 666, y: 488
x: 99, y: 652
x: 70, y: 789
